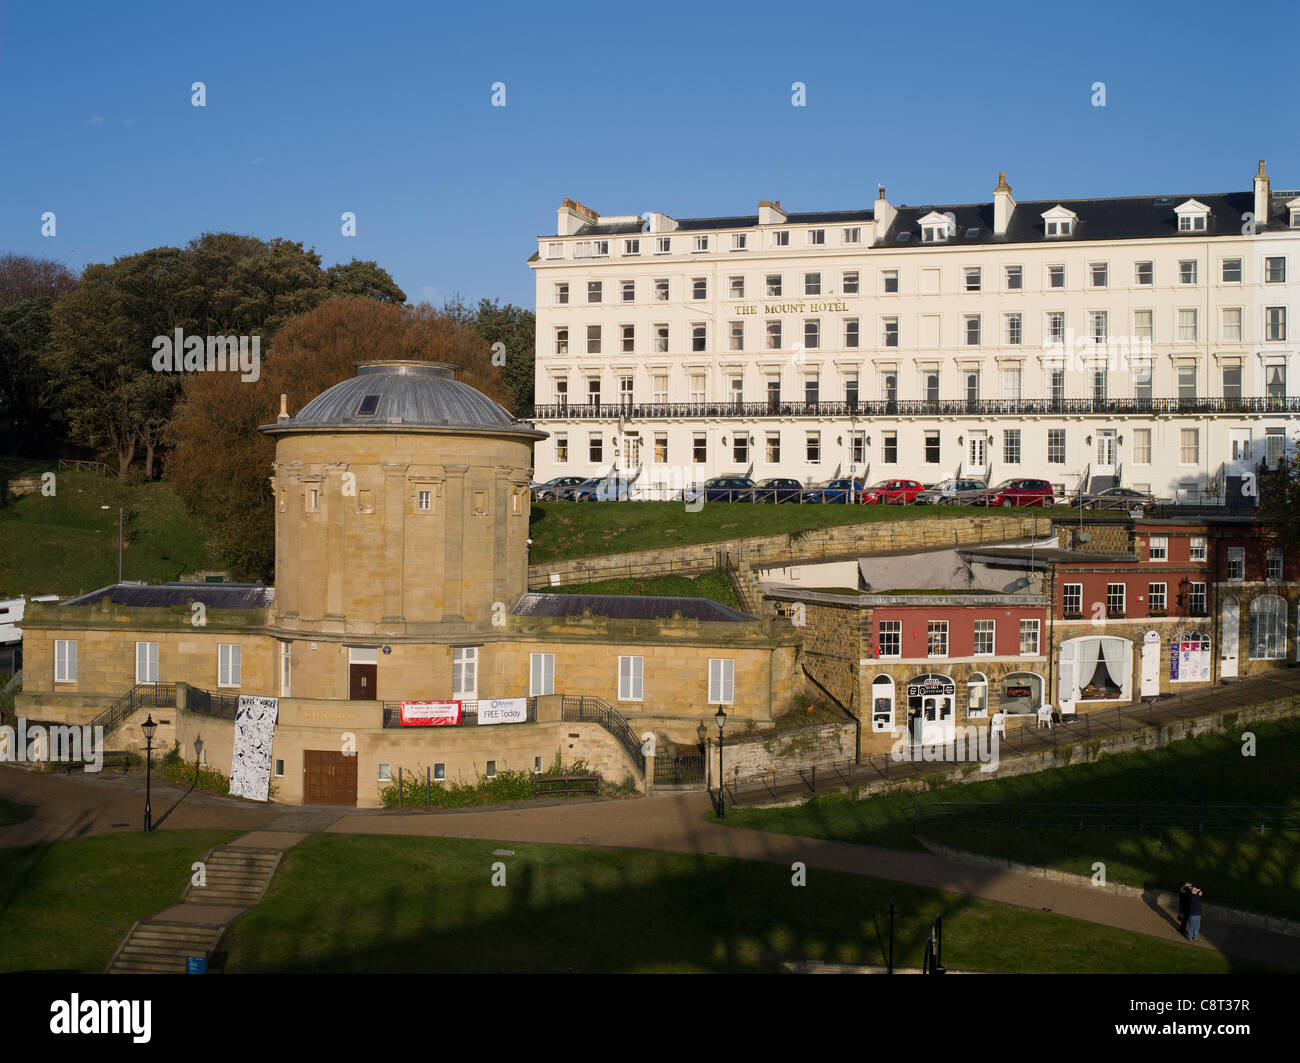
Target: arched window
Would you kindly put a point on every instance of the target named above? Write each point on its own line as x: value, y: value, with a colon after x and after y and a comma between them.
x: 882, y: 703
x: 1268, y: 628
x: 977, y: 695
x: 1020, y: 694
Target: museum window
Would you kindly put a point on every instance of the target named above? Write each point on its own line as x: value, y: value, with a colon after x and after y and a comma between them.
x: 464, y: 672
x: 1157, y: 598
x: 889, y: 639
x: 424, y: 501
x: 1072, y: 599
x: 65, y: 660
x: 146, y: 662
x: 630, y: 678
x: 228, y: 665
x: 1115, y: 599
x: 984, y: 637
x: 722, y: 681
x: 937, y: 638
x: 1029, y: 640
x: 385, y: 773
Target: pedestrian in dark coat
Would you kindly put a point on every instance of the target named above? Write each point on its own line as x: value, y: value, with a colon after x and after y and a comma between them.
x: 1182, y: 907
x: 1194, y: 901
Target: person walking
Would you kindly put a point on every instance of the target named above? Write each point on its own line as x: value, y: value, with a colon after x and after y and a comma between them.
x: 1194, y: 900
x: 1182, y: 907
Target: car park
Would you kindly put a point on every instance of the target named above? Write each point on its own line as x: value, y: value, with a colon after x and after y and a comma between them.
x: 1018, y: 493
x: 891, y: 492
x: 778, y: 489
x: 724, y: 489
x: 841, y: 490
x: 951, y: 492
x: 553, y: 490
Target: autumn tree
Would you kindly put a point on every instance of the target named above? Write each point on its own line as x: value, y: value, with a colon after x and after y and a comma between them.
x: 221, y: 463
x: 364, y: 278
x: 1279, y: 501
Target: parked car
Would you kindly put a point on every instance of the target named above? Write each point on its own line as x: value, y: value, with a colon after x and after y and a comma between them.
x: 605, y: 489
x: 1124, y: 498
x: 551, y: 491
x: 778, y: 489
x: 722, y: 489
x: 1018, y: 493
x: 891, y: 492
x: 951, y: 492
x: 842, y: 490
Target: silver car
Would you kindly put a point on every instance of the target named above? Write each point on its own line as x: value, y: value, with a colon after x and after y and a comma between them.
x: 951, y: 492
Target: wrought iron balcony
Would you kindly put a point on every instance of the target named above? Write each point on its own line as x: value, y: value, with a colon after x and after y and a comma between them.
x: 660, y: 411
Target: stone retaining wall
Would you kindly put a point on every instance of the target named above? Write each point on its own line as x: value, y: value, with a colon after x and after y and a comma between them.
x: 783, y: 750
x: 816, y: 544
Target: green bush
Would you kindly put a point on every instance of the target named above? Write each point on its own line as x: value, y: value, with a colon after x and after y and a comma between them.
x: 502, y: 788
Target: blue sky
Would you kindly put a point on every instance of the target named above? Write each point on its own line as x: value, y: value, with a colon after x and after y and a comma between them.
x: 314, y: 109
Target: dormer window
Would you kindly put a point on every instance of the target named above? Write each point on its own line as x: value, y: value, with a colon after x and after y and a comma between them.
x: 1293, y: 207
x: 1059, y: 222
x: 369, y: 404
x: 935, y: 228
x: 1193, y: 216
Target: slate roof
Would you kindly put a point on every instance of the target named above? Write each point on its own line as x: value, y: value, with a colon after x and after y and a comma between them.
x: 1118, y: 218
x: 159, y: 595
x: 625, y: 607
x: 404, y: 394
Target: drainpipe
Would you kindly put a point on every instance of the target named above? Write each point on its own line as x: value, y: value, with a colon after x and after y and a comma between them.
x: 1051, y: 630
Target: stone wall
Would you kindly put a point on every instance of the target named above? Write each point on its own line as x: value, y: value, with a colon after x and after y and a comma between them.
x: 782, y: 750
x: 907, y: 534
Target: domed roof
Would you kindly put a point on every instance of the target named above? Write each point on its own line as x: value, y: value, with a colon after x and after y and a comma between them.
x: 392, y: 396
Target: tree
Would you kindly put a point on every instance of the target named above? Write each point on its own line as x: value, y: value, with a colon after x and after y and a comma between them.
x: 1279, y: 502
x: 221, y: 463
x: 364, y: 278
x: 23, y: 277
x: 516, y: 328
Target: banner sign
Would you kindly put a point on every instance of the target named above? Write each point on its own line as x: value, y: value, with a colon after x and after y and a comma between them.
x: 503, y: 710
x: 931, y: 686
x: 250, y: 768
x: 430, y: 713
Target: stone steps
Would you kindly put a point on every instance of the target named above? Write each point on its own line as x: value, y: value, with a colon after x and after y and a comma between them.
x: 163, y: 948
x: 234, y: 876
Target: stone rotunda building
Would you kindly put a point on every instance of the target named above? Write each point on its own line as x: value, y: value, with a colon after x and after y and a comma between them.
x: 402, y: 500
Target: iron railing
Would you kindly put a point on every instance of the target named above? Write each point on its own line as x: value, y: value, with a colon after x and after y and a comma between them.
x: 679, y: 769
x: 912, y: 408
x: 155, y: 695
x: 210, y: 703
x: 1096, y: 815
x: 585, y: 709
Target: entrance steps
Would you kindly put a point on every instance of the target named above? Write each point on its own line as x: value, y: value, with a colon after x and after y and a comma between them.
x: 156, y: 947
x: 235, y: 876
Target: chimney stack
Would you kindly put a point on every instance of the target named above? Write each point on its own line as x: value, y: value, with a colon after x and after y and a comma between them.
x: 572, y: 216
x: 1261, y: 196
x: 883, y: 214
x: 1003, y: 206
x: 284, y: 408
x: 770, y: 213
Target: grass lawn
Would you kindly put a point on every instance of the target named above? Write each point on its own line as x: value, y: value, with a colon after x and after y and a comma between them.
x: 11, y: 813
x: 65, y: 544
x: 564, y: 530
x: 67, y: 906
x: 358, y: 903
x: 1242, y: 869
x: 710, y: 585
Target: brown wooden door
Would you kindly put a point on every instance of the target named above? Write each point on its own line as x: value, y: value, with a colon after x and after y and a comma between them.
x: 361, y: 681
x: 329, y: 778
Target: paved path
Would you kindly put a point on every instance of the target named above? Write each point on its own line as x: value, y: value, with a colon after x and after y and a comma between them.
x: 74, y: 807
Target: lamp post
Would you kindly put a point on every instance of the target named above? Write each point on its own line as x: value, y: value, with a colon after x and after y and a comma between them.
x: 148, y: 727
x: 721, y: 717
x: 119, y: 541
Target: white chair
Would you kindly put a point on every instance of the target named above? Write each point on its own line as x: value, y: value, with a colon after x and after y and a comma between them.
x: 1000, y: 724
x: 1045, y: 716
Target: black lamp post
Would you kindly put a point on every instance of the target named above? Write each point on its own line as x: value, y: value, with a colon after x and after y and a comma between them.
x: 148, y: 727
x: 721, y: 717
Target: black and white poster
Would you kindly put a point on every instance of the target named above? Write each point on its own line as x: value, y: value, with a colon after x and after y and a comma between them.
x: 250, y: 768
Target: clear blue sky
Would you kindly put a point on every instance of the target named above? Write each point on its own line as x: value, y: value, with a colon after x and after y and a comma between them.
x: 385, y: 110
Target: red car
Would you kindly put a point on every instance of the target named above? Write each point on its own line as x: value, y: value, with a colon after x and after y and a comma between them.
x: 1018, y: 493
x: 891, y: 492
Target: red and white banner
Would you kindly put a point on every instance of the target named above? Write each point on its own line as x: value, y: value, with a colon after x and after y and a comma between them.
x: 430, y: 713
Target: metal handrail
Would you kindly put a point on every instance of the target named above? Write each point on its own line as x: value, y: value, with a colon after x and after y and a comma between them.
x: 157, y: 695
x: 584, y: 708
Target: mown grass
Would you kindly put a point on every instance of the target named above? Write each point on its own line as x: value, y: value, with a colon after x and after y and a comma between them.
x: 67, y: 905
x: 366, y: 904
x: 1244, y: 869
x: 66, y: 544
x: 564, y: 530
x: 713, y: 585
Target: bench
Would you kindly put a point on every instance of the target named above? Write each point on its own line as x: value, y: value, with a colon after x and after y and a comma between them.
x: 568, y: 784
x: 114, y: 759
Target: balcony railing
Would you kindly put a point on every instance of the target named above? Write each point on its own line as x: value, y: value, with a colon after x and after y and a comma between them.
x: 658, y: 411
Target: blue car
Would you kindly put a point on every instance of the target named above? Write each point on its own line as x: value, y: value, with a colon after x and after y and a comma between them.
x: 843, y: 490
x: 608, y: 489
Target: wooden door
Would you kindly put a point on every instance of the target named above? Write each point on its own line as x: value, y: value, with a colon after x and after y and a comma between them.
x: 361, y: 681
x: 329, y: 778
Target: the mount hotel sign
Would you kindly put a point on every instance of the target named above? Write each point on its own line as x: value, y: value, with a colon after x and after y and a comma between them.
x: 833, y: 306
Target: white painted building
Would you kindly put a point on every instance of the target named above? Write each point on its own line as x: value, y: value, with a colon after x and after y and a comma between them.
x: 1149, y: 341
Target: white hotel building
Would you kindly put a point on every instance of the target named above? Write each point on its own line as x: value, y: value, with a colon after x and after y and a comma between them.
x: 1149, y: 341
